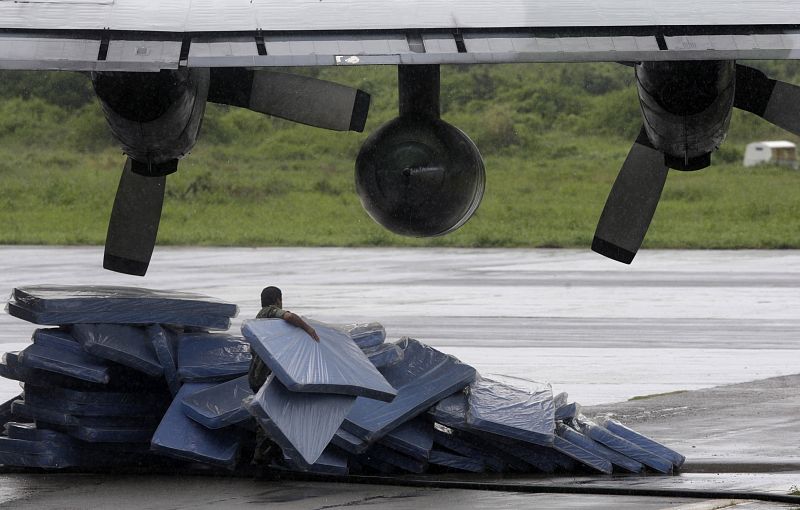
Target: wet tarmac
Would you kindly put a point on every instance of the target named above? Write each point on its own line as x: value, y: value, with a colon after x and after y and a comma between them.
x: 604, y: 332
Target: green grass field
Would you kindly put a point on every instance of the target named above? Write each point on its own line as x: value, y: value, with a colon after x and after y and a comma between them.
x: 554, y: 137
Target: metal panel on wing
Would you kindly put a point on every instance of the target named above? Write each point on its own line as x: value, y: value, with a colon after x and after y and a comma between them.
x: 223, y: 52
x: 27, y: 51
x: 146, y: 55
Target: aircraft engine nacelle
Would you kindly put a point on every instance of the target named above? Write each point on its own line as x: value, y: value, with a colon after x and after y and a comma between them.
x: 687, y: 108
x: 156, y: 117
x: 418, y: 175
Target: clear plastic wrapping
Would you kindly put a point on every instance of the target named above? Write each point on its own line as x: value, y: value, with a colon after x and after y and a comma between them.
x: 210, y: 357
x: 335, y: 364
x: 302, y: 424
x: 127, y: 345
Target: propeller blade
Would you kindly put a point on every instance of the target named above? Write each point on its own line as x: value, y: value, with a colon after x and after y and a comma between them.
x: 775, y: 101
x: 133, y: 226
x: 632, y: 202
x: 293, y: 97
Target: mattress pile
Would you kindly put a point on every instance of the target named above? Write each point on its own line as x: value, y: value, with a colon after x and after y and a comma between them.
x: 137, y: 377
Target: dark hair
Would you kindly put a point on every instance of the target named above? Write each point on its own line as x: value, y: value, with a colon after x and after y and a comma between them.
x: 270, y: 296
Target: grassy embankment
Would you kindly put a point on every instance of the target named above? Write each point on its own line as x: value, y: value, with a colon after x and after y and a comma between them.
x: 554, y: 137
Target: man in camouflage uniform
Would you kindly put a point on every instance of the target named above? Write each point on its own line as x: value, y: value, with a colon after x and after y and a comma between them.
x: 271, y: 308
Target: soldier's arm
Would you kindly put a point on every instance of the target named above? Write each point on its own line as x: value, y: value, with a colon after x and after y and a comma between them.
x: 296, y: 320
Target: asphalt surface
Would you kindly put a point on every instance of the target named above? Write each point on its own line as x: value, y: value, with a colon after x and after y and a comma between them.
x: 719, y: 327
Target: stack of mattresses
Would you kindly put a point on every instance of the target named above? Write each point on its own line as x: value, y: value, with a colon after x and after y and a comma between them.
x: 102, y: 393
x: 96, y: 386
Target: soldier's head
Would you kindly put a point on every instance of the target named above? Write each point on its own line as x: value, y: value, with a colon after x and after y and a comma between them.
x: 271, y: 296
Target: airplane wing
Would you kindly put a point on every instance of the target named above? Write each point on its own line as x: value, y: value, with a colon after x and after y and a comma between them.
x: 149, y: 35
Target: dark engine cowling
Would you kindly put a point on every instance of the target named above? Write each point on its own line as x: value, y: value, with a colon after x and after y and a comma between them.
x: 156, y: 117
x: 418, y: 175
x: 687, y: 108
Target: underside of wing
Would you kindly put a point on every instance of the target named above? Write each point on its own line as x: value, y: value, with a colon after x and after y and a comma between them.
x: 133, y: 51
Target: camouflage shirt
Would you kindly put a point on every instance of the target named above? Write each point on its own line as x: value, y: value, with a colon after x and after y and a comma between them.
x: 259, y: 372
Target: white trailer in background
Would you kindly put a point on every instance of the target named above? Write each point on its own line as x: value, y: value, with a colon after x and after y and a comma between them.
x: 775, y: 153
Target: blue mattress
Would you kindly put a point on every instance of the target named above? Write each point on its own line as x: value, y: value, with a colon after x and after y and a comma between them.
x: 642, y: 441
x: 466, y: 449
x: 598, y: 449
x: 625, y: 447
x: 455, y: 461
x: 220, y: 405
x: 413, y: 438
x: 97, y: 298
x: 95, y: 403
x: 165, y: 344
x: 127, y: 345
x: 348, y: 442
x: 329, y: 463
x: 582, y: 455
x: 210, y: 357
x: 66, y: 361
x: 302, y: 424
x: 131, y: 316
x: 122, y: 305
x: 422, y: 378
x: 524, y: 415
x: 335, y: 364
x: 384, y: 354
x: 366, y: 336
x: 180, y: 437
x: 396, y: 459
x: 6, y: 414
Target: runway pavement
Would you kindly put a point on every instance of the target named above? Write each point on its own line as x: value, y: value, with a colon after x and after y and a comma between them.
x: 604, y: 332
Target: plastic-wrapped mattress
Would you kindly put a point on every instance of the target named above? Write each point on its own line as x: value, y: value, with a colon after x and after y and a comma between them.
x: 67, y: 362
x: 599, y: 449
x: 165, y: 344
x: 180, y: 437
x: 366, y: 335
x: 413, y: 438
x: 302, y: 424
x: 335, y: 364
x: 642, y: 441
x: 384, y: 354
x: 220, y: 405
x: 209, y: 357
x: 455, y: 461
x: 127, y: 345
x: 48, y: 304
x: 423, y: 377
x: 524, y: 415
